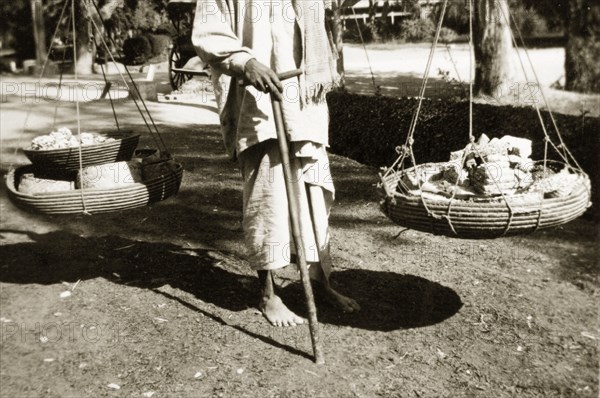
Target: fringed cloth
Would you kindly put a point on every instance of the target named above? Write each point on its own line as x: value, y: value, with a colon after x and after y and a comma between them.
x: 320, y: 66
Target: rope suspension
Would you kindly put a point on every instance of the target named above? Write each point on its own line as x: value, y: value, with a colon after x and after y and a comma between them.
x: 397, y: 170
x: 83, y: 197
x: 85, y: 211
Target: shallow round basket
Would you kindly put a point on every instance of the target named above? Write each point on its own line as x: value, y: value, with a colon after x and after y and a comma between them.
x: 67, y: 159
x: 96, y: 200
x: 483, y: 217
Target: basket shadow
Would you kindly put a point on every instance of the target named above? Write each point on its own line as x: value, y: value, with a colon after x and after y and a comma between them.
x: 62, y: 256
x: 389, y: 301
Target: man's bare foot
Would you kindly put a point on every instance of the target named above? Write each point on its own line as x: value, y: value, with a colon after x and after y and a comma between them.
x: 277, y: 313
x: 346, y: 304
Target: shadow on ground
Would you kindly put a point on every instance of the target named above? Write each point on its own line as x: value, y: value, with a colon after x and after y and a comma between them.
x: 193, y: 242
x: 390, y: 301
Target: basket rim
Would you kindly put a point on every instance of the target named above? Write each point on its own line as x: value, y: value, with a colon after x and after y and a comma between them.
x: 10, y: 184
x: 123, y: 135
x: 476, y: 199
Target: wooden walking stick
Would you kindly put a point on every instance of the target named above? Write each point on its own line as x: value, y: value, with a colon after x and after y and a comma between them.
x: 294, y: 209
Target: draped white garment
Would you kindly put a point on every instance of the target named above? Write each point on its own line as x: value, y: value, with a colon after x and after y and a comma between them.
x: 227, y: 33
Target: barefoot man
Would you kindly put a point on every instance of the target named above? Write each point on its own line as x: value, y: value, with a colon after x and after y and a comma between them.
x: 253, y: 41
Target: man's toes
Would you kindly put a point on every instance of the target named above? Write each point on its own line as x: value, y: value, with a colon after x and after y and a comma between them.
x: 348, y: 304
x: 355, y: 306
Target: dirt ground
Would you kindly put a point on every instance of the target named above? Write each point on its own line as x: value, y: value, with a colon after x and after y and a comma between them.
x: 162, y: 301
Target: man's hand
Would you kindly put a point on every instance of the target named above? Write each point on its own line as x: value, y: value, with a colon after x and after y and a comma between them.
x: 263, y: 78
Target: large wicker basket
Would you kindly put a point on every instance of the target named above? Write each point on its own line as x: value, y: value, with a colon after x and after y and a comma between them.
x: 96, y: 200
x: 67, y: 159
x: 482, y: 217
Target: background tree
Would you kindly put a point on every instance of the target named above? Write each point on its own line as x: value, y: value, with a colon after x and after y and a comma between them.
x: 16, y: 27
x: 582, y: 55
x: 372, y: 33
x: 492, y: 45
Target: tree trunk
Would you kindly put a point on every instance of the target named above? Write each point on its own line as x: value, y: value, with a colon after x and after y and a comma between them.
x: 493, y: 46
x: 582, y: 52
x: 84, y: 46
x: 39, y: 33
x: 384, y: 24
x: 373, y: 35
x: 86, y: 51
x: 337, y: 31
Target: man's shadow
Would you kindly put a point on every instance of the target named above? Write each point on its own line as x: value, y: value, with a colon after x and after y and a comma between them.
x: 389, y: 301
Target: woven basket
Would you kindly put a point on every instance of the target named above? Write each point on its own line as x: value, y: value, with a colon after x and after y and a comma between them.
x: 482, y: 217
x: 96, y: 200
x: 67, y: 159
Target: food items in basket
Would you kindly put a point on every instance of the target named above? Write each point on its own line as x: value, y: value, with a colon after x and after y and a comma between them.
x: 32, y: 185
x: 490, y: 167
x: 110, y: 175
x: 554, y: 185
x: 64, y: 138
x: 495, y: 167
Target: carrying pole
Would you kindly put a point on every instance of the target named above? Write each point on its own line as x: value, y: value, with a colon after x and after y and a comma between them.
x: 294, y: 210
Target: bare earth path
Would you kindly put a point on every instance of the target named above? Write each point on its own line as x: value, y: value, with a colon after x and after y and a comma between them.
x: 162, y: 300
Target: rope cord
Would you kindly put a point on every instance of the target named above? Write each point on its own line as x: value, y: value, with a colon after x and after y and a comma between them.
x: 453, y: 62
x: 471, y: 138
x: 53, y: 37
x: 537, y: 108
x: 362, y: 40
x: 77, y: 109
x: 546, y: 103
x: 60, y: 78
x: 409, y: 138
x: 30, y: 109
x: 460, y: 169
x: 459, y: 79
x: 407, y: 148
x: 160, y: 140
x: 106, y: 83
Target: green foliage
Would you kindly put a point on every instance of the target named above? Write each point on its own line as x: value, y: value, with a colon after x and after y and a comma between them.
x: 447, y: 35
x: 415, y: 30
x: 138, y: 16
x: 160, y: 44
x: 16, y: 27
x: 582, y: 70
x: 456, y: 18
x: 532, y: 17
x: 528, y: 20
x: 145, y: 17
x: 137, y: 50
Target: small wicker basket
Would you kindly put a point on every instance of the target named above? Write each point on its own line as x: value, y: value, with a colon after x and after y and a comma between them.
x: 66, y: 160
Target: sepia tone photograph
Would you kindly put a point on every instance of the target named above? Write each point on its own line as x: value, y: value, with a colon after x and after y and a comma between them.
x: 299, y: 198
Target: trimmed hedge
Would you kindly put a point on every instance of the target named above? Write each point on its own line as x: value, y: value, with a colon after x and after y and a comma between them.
x: 137, y: 50
x: 369, y: 128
